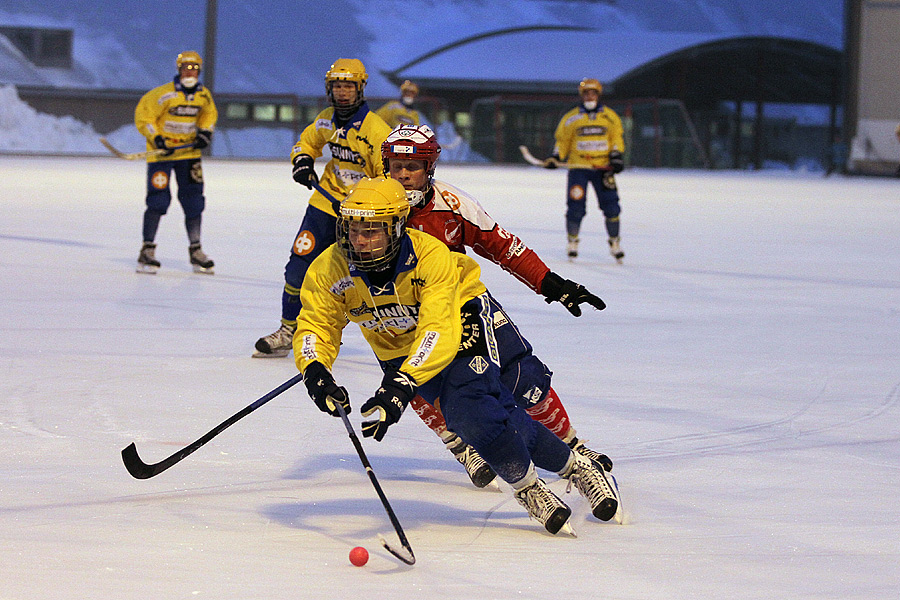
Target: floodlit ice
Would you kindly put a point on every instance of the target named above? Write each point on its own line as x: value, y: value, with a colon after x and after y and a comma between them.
x: 744, y: 378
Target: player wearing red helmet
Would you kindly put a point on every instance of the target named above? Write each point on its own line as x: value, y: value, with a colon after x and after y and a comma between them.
x: 410, y: 155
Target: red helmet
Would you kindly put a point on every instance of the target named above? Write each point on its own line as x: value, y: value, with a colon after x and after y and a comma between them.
x: 415, y: 142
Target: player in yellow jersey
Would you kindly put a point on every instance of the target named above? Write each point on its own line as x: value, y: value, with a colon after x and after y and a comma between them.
x: 179, y: 114
x: 353, y: 135
x: 590, y: 139
x: 426, y: 315
x: 397, y: 112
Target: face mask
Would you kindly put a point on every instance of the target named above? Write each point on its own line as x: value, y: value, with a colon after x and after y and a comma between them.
x: 590, y: 104
x: 415, y: 197
x: 189, y: 82
x: 407, y: 100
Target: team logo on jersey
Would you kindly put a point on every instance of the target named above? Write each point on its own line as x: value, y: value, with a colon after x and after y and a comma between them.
x: 426, y: 346
x: 360, y: 311
x: 341, y: 285
x: 516, y: 248
x: 308, y: 347
x: 576, y: 192
x: 324, y: 124
x: 478, y: 364
x: 159, y: 180
x: 592, y: 130
x: 184, y: 111
x: 304, y: 243
x: 452, y: 231
x: 499, y: 320
x: 416, y: 281
x: 345, y: 154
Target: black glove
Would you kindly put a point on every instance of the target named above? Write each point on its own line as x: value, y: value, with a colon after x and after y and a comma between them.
x: 324, y: 391
x: 304, y: 173
x: 396, y: 390
x: 160, y: 142
x: 552, y: 162
x: 616, y: 161
x: 204, y: 137
x: 568, y: 293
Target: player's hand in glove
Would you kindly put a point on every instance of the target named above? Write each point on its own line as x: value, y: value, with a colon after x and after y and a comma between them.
x: 396, y: 391
x: 304, y: 173
x: 204, y: 138
x: 160, y: 142
x: 568, y: 293
x: 324, y: 391
x: 616, y: 161
x: 551, y: 162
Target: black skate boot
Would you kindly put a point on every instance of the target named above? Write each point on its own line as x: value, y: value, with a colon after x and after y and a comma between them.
x: 591, y: 481
x: 478, y: 470
x: 276, y: 344
x: 200, y: 261
x: 146, y: 262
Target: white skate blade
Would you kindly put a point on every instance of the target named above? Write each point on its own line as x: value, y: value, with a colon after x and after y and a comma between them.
x: 619, y: 517
x: 276, y: 354
x: 199, y: 269
x: 146, y: 269
x: 567, y: 528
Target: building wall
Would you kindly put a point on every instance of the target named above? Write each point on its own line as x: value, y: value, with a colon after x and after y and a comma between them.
x: 875, y: 148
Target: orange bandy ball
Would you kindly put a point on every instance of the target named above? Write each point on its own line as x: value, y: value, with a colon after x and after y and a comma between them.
x: 359, y: 556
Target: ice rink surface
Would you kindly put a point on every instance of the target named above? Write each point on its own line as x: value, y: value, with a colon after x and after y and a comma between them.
x: 745, y: 379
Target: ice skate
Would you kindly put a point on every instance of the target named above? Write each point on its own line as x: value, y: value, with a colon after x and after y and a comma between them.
x: 591, y: 482
x: 478, y: 470
x: 599, y: 458
x: 545, y: 507
x: 615, y: 250
x: 572, y: 247
x: 200, y: 261
x: 277, y: 344
x: 146, y: 262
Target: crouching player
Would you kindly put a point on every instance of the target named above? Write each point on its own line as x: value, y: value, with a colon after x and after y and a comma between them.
x: 427, y: 317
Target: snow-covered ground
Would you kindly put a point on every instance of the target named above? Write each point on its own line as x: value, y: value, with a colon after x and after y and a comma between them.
x: 744, y: 378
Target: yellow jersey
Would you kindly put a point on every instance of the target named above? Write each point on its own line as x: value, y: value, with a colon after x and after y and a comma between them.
x: 176, y: 116
x: 416, y: 315
x: 355, y: 151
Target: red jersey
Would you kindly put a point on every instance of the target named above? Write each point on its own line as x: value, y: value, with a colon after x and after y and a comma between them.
x: 455, y: 218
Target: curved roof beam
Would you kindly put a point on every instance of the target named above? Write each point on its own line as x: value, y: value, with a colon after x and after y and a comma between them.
x: 474, y: 38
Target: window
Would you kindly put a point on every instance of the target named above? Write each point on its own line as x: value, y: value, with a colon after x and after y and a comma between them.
x: 264, y: 112
x: 42, y: 47
x: 237, y: 110
x: 286, y: 113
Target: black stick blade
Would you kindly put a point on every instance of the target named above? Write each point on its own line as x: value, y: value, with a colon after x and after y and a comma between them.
x: 138, y: 468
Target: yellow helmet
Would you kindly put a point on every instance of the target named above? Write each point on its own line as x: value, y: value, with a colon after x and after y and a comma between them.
x: 347, y: 69
x: 190, y: 57
x: 408, y: 87
x: 589, y: 84
x: 372, y: 207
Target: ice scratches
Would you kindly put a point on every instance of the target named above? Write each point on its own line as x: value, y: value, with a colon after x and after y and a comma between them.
x: 17, y: 417
x: 758, y: 434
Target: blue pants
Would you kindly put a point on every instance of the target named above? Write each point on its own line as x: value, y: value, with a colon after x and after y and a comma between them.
x: 189, y: 177
x: 480, y: 409
x: 607, y: 198
x: 317, y: 232
x: 521, y: 372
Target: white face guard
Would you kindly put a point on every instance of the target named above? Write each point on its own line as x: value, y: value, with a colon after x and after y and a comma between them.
x: 189, y: 82
x: 408, y: 100
x: 590, y: 104
x: 415, y: 197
